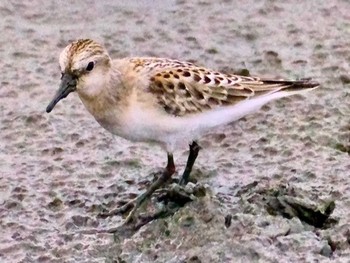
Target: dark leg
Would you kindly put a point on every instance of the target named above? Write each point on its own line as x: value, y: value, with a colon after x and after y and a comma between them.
x: 194, y: 149
x: 138, y: 201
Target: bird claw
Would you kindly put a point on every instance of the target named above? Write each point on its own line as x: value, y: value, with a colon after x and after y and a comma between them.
x: 120, y: 210
x: 132, y: 206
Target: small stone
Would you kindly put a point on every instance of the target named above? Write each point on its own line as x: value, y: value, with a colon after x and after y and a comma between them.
x: 326, y: 251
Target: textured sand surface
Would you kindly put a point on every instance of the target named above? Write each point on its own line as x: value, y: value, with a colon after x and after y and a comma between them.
x: 58, y: 169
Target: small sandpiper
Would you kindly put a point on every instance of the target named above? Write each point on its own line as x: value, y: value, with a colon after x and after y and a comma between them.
x: 161, y: 100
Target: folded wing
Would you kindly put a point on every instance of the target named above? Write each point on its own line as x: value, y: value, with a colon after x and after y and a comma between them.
x: 183, y: 88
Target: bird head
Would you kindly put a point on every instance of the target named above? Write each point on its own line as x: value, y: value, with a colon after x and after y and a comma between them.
x: 83, y: 65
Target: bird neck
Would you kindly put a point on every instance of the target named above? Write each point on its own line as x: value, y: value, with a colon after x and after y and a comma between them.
x: 106, y: 95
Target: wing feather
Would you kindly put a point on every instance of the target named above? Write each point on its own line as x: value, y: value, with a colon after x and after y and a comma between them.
x: 183, y: 88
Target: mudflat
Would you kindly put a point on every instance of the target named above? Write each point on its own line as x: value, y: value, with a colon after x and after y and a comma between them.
x: 57, y: 170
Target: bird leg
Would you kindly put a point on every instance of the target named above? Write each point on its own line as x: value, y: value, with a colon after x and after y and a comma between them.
x: 194, y: 149
x: 138, y: 201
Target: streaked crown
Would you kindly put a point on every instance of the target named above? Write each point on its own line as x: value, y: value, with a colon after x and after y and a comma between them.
x: 77, y: 54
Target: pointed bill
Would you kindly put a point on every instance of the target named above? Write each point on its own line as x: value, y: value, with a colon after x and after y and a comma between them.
x: 68, y: 84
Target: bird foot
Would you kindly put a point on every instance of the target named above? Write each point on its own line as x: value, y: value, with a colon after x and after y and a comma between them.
x: 131, y: 206
x: 181, y: 195
x: 174, y: 197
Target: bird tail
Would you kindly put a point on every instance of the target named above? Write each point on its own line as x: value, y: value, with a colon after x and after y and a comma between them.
x: 290, y: 86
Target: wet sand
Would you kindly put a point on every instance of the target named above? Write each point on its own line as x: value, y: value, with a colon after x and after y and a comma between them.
x: 57, y: 170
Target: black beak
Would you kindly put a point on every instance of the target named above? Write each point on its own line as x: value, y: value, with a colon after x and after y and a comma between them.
x: 68, y: 84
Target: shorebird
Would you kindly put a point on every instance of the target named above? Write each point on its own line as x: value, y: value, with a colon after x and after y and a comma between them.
x: 148, y: 99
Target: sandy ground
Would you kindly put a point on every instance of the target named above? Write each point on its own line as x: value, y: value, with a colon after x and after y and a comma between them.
x: 57, y: 170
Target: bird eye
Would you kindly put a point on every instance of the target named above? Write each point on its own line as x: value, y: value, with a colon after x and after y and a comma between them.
x: 90, y: 66
x: 62, y: 75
